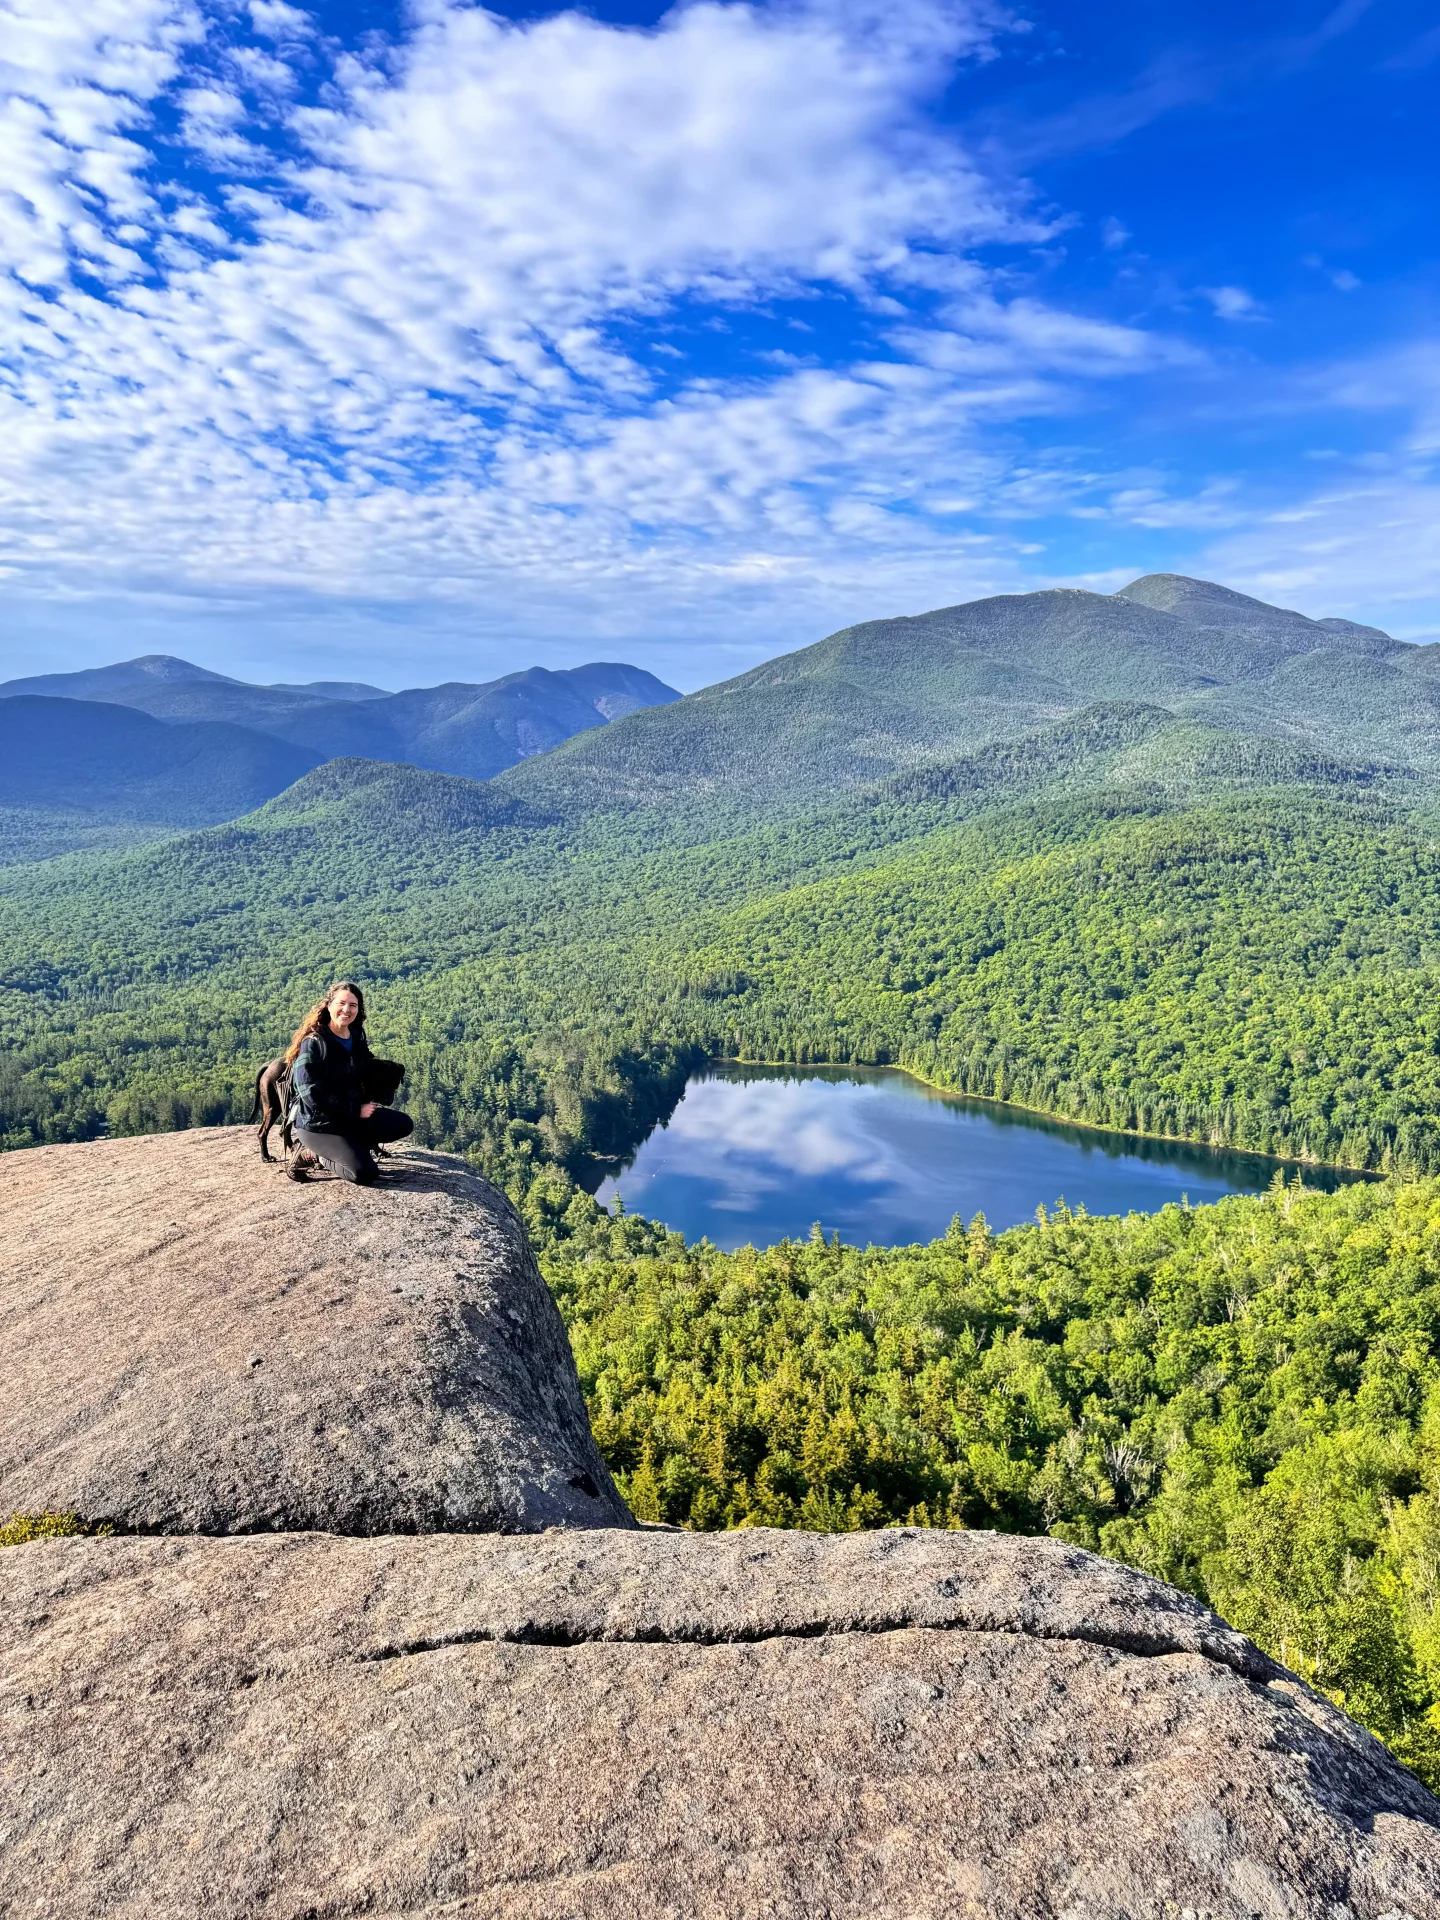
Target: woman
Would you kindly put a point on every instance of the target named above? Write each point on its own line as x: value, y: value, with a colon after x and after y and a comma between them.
x: 333, y: 1121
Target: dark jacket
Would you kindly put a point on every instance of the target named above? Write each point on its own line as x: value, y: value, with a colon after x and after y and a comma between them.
x: 328, y: 1084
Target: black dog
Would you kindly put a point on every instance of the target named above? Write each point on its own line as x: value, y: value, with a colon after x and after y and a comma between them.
x: 272, y: 1096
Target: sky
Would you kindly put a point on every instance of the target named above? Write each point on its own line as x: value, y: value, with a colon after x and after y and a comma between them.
x: 418, y: 342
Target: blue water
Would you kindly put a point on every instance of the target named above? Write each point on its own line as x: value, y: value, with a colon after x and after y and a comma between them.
x: 757, y: 1154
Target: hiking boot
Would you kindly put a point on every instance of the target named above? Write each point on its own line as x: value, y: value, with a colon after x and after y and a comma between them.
x: 303, y: 1163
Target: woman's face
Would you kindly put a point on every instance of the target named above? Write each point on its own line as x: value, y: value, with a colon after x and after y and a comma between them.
x: 344, y: 1008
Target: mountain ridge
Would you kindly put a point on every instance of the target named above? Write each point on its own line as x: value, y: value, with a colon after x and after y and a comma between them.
x: 473, y: 729
x: 163, y: 744
x: 874, y: 700
x: 75, y: 773
x: 864, y: 705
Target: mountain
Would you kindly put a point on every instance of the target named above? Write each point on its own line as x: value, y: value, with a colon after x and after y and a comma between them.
x: 171, y: 689
x: 380, y: 803
x: 873, y: 700
x: 460, y: 728
x: 615, y: 690
x: 77, y: 773
x: 478, y: 731
x: 151, y: 674
x: 853, y: 710
x: 333, y: 689
x: 1204, y: 603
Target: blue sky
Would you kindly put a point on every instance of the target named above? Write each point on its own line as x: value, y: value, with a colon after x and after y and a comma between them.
x: 424, y: 342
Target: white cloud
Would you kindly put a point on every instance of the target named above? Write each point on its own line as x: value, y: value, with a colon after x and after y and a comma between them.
x: 1148, y: 504
x: 1232, y: 303
x: 1363, y: 549
x: 406, y: 358
x: 279, y: 21
x: 524, y: 181
x: 987, y: 335
x: 75, y: 84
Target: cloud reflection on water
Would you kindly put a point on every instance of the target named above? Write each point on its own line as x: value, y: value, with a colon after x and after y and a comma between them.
x: 758, y: 1154
x: 758, y: 1136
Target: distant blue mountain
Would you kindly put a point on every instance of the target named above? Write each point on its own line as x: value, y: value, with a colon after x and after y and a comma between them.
x: 471, y: 729
x: 76, y: 773
x: 155, y: 670
x: 332, y: 689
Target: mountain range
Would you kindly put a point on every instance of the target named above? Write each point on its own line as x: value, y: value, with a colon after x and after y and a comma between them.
x: 851, y: 711
x: 117, y: 754
x: 876, y: 699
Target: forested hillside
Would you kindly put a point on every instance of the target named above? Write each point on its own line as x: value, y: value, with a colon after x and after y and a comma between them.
x: 1243, y: 1399
x: 84, y: 773
x: 877, y: 699
x: 1252, y: 965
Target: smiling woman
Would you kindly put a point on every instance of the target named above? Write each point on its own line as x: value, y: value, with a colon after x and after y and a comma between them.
x: 745, y: 312
x: 337, y: 1124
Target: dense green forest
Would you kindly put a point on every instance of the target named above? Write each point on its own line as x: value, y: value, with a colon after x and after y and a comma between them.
x: 1254, y: 967
x: 1243, y: 1399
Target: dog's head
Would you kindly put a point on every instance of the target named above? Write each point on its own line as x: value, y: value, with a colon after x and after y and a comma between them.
x: 382, y: 1080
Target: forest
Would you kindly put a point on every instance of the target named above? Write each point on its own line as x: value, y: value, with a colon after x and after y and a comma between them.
x: 1257, y: 969
x: 1243, y: 1399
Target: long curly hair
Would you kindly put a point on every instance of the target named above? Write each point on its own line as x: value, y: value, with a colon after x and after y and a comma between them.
x: 317, y: 1020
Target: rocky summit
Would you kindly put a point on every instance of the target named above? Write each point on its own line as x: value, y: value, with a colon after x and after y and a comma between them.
x: 901, y: 1725
x: 194, y: 1344
x: 375, y: 1634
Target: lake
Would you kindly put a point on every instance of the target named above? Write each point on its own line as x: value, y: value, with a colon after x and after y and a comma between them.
x: 757, y: 1154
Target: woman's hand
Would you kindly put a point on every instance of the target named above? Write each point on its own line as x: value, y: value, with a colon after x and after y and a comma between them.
x: 368, y: 1108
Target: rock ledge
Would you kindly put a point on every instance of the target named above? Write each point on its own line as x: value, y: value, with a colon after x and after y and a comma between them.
x: 195, y: 1344
x: 624, y: 1726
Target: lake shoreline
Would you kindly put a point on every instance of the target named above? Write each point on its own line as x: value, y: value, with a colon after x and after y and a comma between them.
x: 758, y: 1151
x: 1063, y: 1119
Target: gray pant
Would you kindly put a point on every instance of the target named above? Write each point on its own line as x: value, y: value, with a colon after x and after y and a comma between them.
x: 348, y: 1153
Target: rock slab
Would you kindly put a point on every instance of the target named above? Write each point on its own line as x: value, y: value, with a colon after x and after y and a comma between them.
x: 194, y: 1344
x: 629, y: 1725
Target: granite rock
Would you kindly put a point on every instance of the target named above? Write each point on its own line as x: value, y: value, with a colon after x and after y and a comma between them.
x: 194, y: 1344
x: 605, y: 1725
